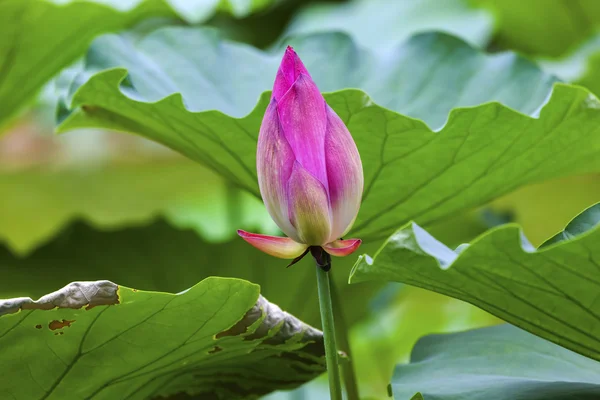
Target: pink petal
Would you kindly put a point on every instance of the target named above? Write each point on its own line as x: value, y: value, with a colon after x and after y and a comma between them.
x: 344, y: 175
x: 290, y: 68
x: 341, y: 248
x: 275, y: 246
x: 308, y: 207
x: 303, y: 116
x: 274, y: 163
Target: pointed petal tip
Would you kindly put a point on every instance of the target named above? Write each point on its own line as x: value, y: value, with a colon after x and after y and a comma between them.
x: 289, y: 59
x: 342, y: 248
x: 291, y: 55
x: 289, y: 69
x: 276, y: 246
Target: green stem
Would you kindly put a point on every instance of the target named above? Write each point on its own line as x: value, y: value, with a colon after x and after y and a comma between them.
x: 335, y: 386
x: 347, y: 365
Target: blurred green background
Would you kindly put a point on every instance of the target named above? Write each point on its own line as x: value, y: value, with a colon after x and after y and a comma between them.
x: 103, y: 205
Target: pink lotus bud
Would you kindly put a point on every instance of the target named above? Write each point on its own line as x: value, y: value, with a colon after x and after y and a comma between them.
x: 309, y: 170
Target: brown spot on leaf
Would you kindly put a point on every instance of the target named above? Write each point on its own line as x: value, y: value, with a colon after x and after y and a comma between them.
x: 38, y: 326
x: 216, y: 349
x: 54, y: 325
x: 89, y: 109
x: 134, y: 290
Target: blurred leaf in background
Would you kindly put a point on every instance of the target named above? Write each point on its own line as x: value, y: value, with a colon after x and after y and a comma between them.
x: 40, y: 37
x: 541, y: 27
x: 534, y: 27
x: 546, y: 208
x: 38, y: 203
x: 384, y: 24
x: 580, y: 65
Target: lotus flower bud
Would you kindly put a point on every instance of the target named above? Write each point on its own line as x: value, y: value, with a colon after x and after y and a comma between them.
x: 309, y: 170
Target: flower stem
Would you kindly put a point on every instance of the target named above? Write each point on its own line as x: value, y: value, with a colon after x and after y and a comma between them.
x: 335, y: 386
x: 347, y: 365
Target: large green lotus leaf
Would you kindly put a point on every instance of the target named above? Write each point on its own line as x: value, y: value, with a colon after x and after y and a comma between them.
x: 411, y: 172
x: 38, y: 203
x: 220, y: 339
x: 160, y: 257
x: 364, y: 21
x: 500, y: 363
x: 183, y: 71
x: 551, y: 292
x: 40, y: 37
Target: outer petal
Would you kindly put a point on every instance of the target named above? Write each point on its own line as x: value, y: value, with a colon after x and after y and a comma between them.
x: 341, y: 248
x: 344, y: 174
x: 274, y: 163
x: 274, y: 245
x: 303, y: 116
x: 290, y: 68
x: 309, y: 207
